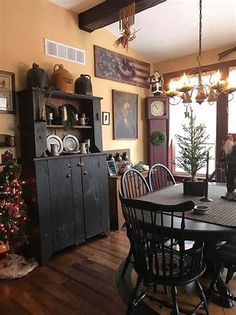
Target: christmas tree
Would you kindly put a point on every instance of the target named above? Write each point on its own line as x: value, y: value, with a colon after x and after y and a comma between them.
x: 13, y: 217
x: 192, y: 147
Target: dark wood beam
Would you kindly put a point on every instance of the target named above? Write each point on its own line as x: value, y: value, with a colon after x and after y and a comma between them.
x: 108, y: 12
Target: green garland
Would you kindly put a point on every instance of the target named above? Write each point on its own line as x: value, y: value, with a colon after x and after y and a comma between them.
x: 158, y: 137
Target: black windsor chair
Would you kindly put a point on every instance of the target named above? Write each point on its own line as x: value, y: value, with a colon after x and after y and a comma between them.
x: 133, y: 184
x: 148, y: 224
x: 159, y: 176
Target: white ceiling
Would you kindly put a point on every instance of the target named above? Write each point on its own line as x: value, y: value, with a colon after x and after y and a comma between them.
x: 170, y: 29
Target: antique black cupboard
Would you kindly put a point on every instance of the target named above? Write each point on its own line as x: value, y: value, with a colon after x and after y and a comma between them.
x: 67, y: 195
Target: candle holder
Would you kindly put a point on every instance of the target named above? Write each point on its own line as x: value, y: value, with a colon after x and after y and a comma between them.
x: 205, y: 198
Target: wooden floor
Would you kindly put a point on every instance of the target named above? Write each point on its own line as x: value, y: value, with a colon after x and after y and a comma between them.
x: 79, y: 281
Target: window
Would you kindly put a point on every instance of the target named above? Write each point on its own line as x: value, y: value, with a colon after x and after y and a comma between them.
x: 232, y: 107
x: 205, y: 113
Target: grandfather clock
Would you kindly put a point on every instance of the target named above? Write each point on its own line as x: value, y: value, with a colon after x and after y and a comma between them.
x: 157, y: 115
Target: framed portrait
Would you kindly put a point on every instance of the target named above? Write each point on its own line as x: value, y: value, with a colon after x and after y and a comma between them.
x: 105, y: 118
x: 7, y: 92
x: 112, y: 168
x: 125, y: 115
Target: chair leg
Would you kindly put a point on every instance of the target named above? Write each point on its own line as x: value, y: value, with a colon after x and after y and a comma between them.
x: 202, y: 296
x: 230, y: 273
x: 127, y: 261
x: 216, y: 274
x: 174, y: 299
x: 133, y: 301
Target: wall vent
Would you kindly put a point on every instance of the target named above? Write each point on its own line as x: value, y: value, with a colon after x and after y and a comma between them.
x: 65, y: 52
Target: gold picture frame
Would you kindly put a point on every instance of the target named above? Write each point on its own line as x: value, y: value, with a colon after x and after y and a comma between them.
x: 125, y: 115
x: 7, y: 92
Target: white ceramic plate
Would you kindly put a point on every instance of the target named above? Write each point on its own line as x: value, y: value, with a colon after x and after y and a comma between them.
x: 70, y: 143
x: 54, y: 139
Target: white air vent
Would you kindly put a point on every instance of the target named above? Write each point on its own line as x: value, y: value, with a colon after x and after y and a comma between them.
x: 64, y: 52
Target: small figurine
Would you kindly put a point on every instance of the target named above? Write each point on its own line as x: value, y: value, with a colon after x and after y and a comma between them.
x: 156, y: 83
x: 6, y: 157
x: 229, y: 158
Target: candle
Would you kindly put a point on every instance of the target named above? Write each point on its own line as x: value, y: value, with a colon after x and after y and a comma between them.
x: 206, y: 181
x: 49, y: 118
x: 207, y: 168
x: 64, y: 113
x: 43, y: 113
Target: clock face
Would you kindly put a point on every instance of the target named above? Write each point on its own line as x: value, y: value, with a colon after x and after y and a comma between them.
x: 157, y: 108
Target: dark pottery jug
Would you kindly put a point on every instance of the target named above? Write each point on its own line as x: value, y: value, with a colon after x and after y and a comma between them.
x: 36, y: 77
x: 83, y: 85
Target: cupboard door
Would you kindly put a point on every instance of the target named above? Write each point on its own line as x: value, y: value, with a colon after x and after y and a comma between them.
x: 63, y: 225
x: 77, y: 191
x: 104, y: 195
x: 44, y: 211
x: 92, y: 195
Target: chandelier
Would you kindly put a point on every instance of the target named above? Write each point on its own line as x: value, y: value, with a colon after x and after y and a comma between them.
x: 204, y: 92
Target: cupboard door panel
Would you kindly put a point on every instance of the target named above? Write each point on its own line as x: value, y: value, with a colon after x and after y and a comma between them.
x: 104, y: 202
x: 77, y: 191
x: 63, y: 225
x: 92, y: 195
x: 45, y: 218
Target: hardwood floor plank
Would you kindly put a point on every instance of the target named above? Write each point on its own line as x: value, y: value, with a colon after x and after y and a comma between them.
x: 81, y: 281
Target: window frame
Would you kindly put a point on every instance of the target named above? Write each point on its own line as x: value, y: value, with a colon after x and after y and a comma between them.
x: 221, y: 107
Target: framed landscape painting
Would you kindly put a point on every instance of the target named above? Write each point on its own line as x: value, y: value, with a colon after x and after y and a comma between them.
x: 125, y: 114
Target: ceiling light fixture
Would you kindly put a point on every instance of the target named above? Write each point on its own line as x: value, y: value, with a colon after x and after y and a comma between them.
x: 204, y: 92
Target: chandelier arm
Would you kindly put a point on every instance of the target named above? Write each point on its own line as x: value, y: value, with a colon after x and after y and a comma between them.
x: 173, y: 98
x: 232, y: 97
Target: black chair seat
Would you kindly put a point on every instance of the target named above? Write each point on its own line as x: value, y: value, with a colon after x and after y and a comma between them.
x: 165, y: 275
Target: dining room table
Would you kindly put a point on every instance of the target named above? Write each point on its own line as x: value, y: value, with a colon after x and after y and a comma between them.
x: 214, y: 226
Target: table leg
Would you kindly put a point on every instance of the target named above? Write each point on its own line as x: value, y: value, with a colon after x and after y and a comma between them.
x: 217, y: 284
x: 226, y: 297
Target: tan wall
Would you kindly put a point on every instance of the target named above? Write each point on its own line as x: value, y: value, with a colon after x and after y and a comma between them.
x: 186, y: 62
x: 25, y: 24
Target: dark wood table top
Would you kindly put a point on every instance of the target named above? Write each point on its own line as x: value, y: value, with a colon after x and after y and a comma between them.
x: 217, y: 225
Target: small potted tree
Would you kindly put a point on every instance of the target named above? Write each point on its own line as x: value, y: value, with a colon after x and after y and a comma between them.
x: 193, y: 155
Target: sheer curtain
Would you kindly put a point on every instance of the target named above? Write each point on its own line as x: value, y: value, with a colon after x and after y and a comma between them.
x: 205, y: 113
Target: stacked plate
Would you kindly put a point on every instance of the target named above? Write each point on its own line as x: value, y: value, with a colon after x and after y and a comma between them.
x: 70, y: 144
x: 53, y: 139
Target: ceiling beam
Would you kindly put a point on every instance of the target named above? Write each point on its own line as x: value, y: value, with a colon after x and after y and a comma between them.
x: 107, y: 13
